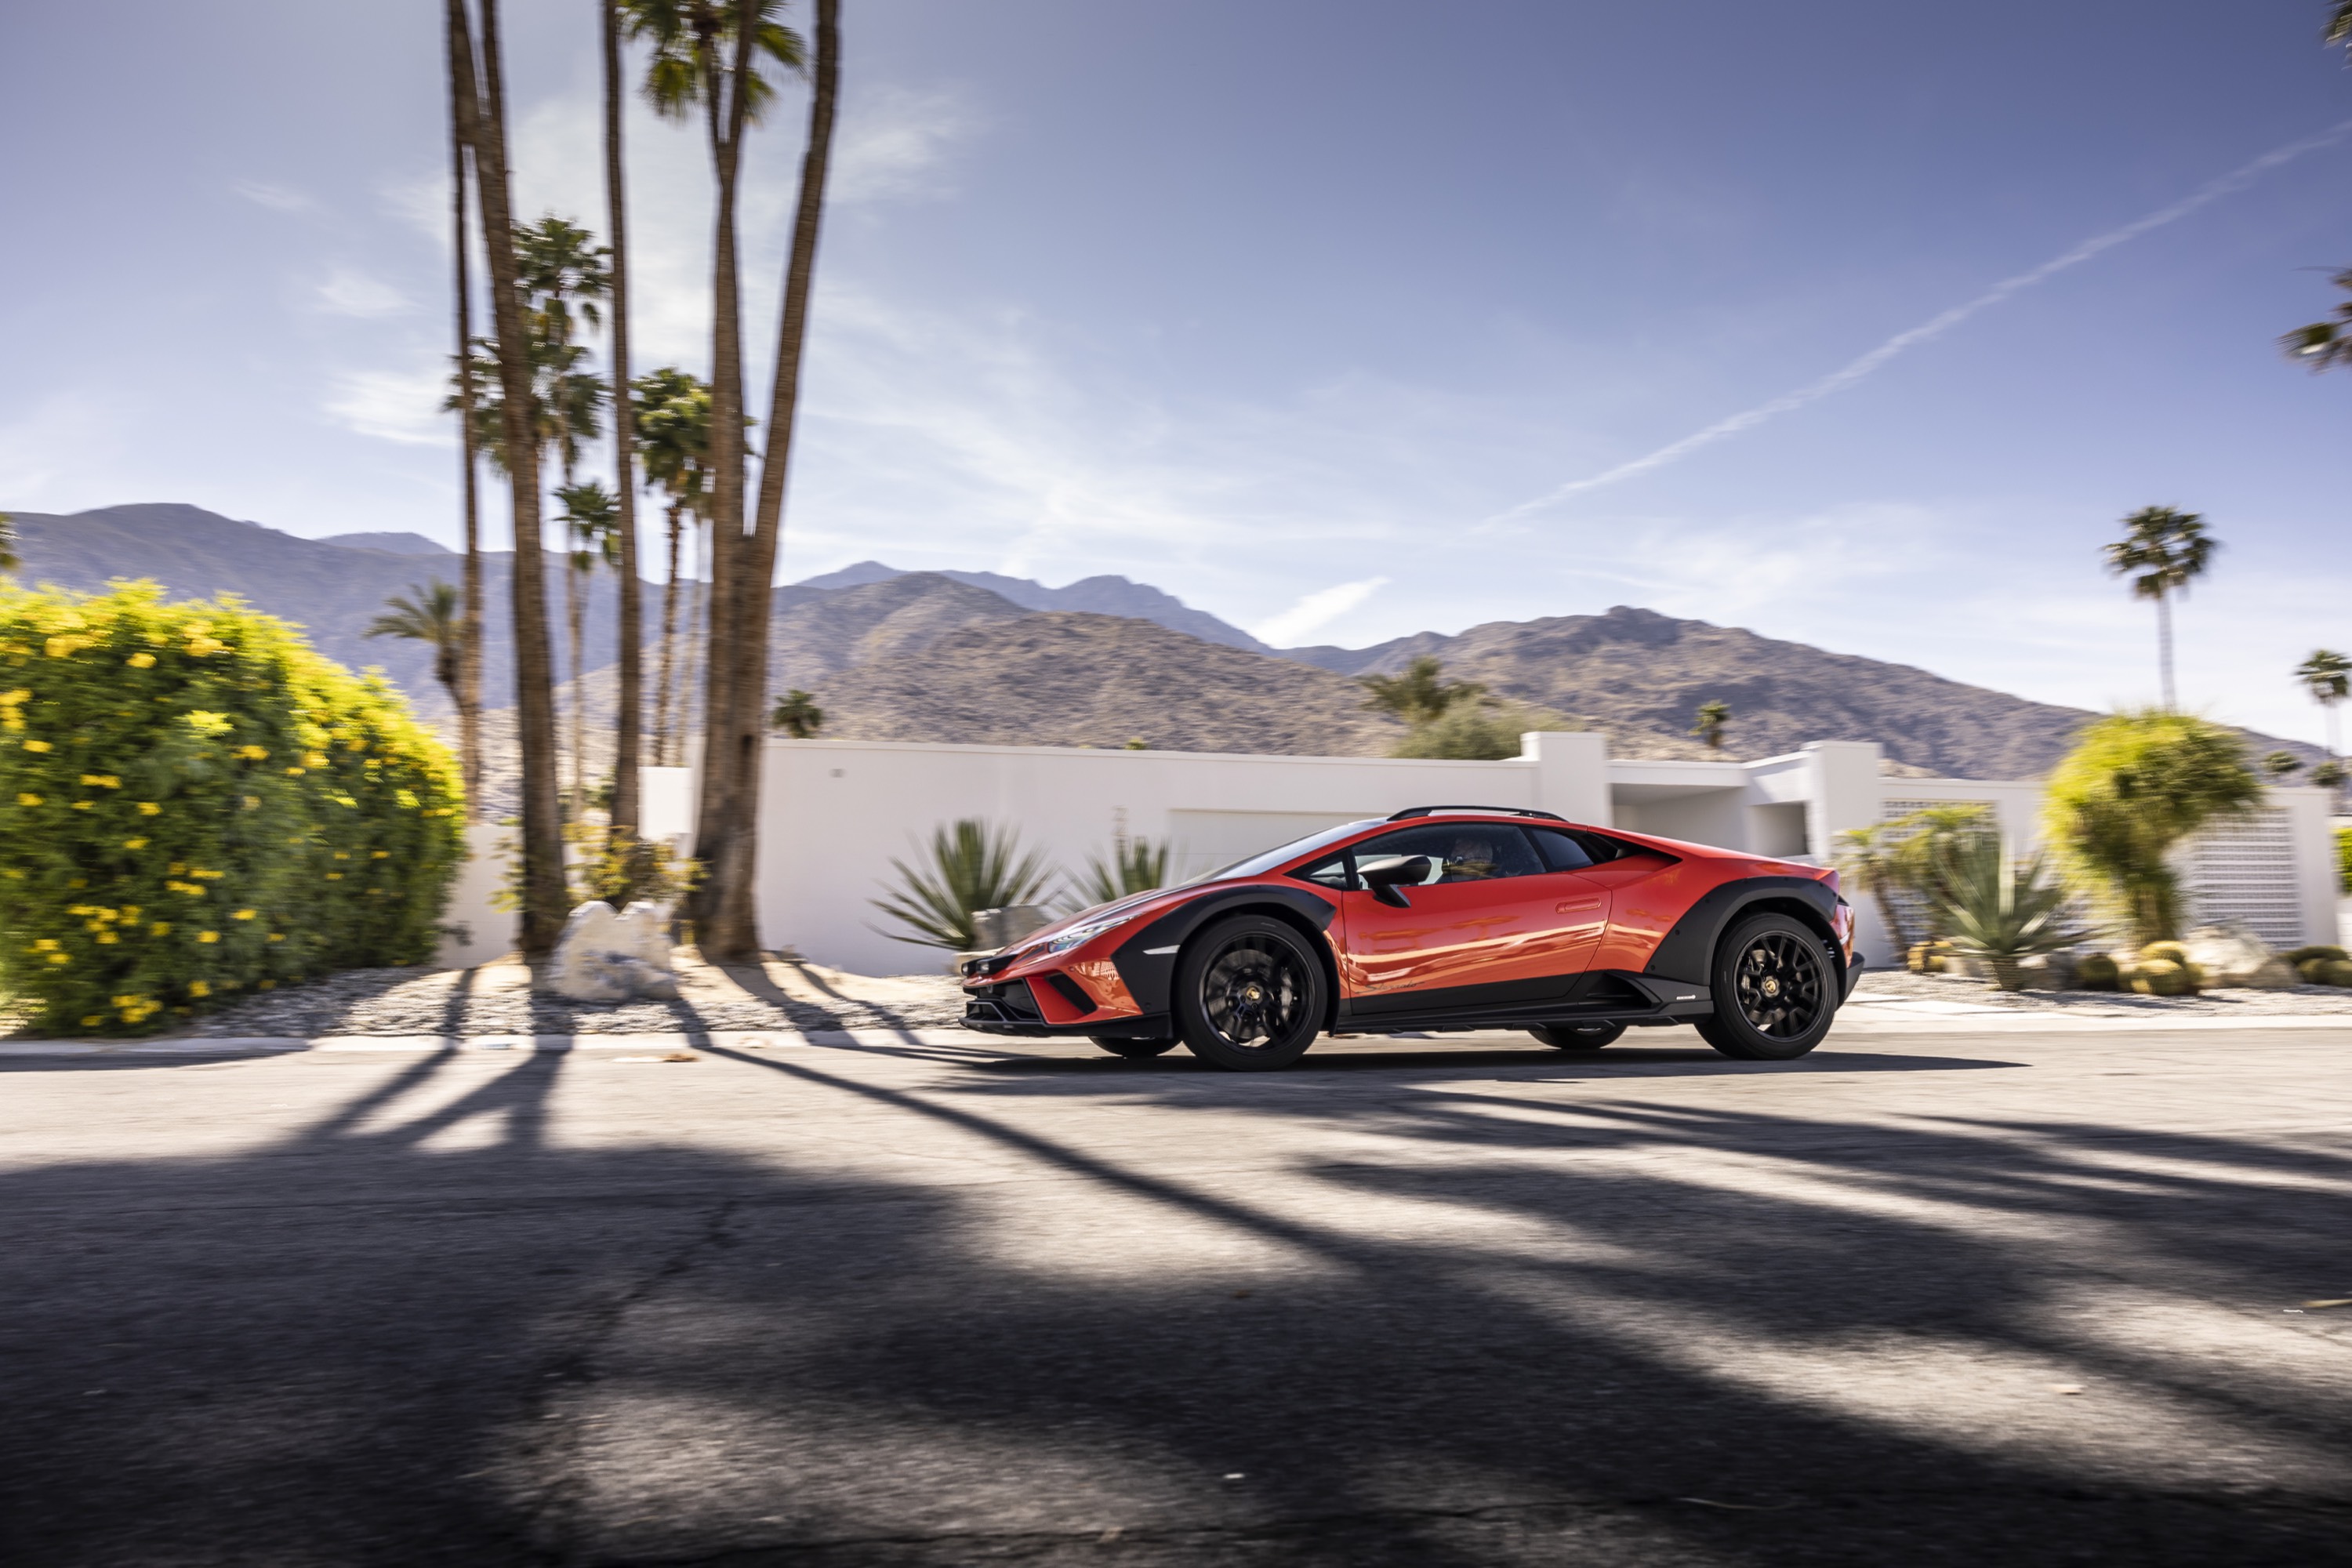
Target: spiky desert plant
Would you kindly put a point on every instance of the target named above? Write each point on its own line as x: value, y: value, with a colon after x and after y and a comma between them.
x: 1134, y: 866
x: 969, y: 866
x: 2004, y: 911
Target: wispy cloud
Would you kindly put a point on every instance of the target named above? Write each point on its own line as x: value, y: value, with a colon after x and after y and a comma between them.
x: 277, y: 198
x: 1316, y: 611
x: 349, y: 292
x: 895, y: 143
x: 392, y: 405
x: 1937, y: 326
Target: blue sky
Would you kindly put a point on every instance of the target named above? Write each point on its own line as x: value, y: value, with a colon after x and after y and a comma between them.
x: 1293, y: 310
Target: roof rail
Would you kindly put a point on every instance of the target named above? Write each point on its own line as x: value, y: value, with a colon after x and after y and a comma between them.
x: 1413, y: 811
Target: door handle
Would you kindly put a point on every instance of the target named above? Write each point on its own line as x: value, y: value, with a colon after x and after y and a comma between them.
x: 1578, y: 906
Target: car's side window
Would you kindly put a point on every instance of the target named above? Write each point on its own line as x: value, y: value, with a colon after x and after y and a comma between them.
x: 1331, y: 871
x: 1457, y: 851
x: 1562, y: 851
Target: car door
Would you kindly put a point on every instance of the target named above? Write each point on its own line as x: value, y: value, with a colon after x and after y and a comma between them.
x: 1491, y: 923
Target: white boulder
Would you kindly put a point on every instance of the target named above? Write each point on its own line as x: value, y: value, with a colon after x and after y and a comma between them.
x: 2232, y: 955
x: 607, y: 957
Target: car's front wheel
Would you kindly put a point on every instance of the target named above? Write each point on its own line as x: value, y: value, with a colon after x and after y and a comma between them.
x: 1133, y: 1049
x: 1775, y: 991
x: 1249, y: 995
x: 1576, y: 1038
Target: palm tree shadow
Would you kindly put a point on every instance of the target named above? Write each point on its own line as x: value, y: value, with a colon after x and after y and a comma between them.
x: 457, y: 1317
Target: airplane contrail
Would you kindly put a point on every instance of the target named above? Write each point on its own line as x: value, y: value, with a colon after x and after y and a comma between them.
x: 1936, y: 327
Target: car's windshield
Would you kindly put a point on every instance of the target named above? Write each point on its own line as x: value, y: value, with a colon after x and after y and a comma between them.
x: 1266, y: 860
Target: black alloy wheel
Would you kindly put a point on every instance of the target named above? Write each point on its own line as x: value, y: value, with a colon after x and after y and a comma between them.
x: 1576, y: 1038
x: 1249, y: 995
x: 1132, y: 1048
x: 1775, y: 991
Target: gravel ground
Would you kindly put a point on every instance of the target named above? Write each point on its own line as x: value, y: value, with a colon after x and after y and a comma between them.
x: 449, y: 1001
x: 2217, y: 1003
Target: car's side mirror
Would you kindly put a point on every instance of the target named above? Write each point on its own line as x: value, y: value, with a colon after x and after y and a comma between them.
x: 1389, y: 878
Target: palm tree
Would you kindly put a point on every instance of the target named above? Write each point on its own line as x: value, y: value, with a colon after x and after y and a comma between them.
x: 9, y: 560
x: 710, y: 54
x: 730, y: 909
x: 2327, y: 675
x: 1421, y: 695
x: 672, y: 416
x: 1713, y: 718
x: 477, y: 94
x: 592, y: 517
x: 437, y: 617
x: 797, y: 715
x: 2280, y: 765
x: 2168, y: 549
x: 1866, y: 857
x: 2325, y: 345
x: 468, y: 694
x: 629, y: 741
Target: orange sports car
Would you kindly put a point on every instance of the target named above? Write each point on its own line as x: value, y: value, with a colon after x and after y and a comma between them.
x: 1441, y: 917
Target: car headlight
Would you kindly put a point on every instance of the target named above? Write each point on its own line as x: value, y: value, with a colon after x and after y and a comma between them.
x: 1079, y: 935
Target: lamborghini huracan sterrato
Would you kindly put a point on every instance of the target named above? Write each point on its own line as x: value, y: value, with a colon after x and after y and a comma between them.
x: 1441, y: 917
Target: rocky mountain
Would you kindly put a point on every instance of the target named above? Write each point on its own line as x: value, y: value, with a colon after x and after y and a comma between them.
x: 1096, y: 595
x: 974, y: 656
x: 1640, y: 677
x: 1064, y: 679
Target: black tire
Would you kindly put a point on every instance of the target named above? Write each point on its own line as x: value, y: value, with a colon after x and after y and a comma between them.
x: 1249, y: 995
x: 1578, y: 1039
x: 1775, y: 990
x: 1134, y: 1050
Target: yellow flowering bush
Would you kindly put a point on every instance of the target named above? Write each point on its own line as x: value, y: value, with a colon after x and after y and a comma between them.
x: 154, y: 861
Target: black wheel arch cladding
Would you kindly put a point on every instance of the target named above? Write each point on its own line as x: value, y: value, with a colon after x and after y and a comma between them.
x: 1687, y: 951
x: 1150, y: 975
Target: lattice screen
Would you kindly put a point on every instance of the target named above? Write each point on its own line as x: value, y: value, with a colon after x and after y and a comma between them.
x: 2246, y: 871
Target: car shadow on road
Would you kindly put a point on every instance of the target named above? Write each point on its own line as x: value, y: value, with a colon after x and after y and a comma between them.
x: 420, y: 1326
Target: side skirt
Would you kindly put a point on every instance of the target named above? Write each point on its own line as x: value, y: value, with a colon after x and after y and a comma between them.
x: 1603, y: 997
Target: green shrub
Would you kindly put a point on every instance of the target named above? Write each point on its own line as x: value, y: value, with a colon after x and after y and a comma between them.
x: 2173, y: 950
x: 2325, y: 971
x: 2160, y: 977
x: 2134, y: 786
x: 192, y: 804
x: 2302, y: 955
x: 1477, y: 731
x: 2095, y: 971
x: 2344, y: 859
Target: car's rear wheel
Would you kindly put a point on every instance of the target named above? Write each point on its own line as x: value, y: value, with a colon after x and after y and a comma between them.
x: 1249, y: 995
x: 1775, y: 991
x: 1577, y: 1037
x: 1133, y: 1049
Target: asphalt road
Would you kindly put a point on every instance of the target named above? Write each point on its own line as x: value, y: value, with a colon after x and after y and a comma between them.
x: 1953, y: 1299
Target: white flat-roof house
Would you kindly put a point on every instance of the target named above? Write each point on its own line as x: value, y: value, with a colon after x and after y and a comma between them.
x: 834, y: 814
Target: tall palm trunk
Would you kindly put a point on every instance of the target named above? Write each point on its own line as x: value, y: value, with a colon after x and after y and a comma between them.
x: 716, y: 828
x: 630, y: 739
x: 466, y: 692
x: 572, y: 578
x: 481, y: 123
x: 728, y: 922
x: 664, y: 696
x: 2164, y: 651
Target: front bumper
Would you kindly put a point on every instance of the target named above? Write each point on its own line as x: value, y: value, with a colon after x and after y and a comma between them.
x: 1014, y: 1007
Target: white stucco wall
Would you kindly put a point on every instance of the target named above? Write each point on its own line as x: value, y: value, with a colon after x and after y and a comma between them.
x: 833, y: 813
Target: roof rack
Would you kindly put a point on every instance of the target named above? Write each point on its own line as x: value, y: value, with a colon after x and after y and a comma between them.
x: 1413, y: 811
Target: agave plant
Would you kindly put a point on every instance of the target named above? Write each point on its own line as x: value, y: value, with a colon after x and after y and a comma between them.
x: 972, y: 867
x: 2003, y: 911
x: 1136, y: 866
